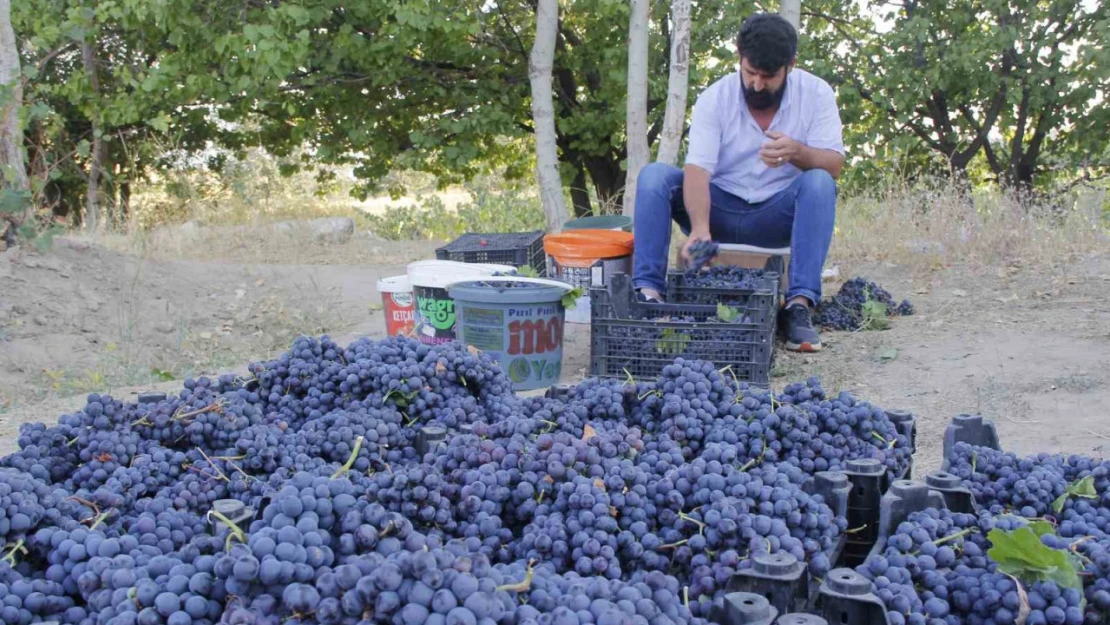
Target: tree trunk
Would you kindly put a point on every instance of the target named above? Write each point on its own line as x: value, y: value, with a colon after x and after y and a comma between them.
x: 792, y: 11
x: 13, y: 171
x: 636, y: 114
x: 99, y: 150
x: 608, y: 177
x: 580, y: 194
x: 543, y: 114
x: 674, y: 119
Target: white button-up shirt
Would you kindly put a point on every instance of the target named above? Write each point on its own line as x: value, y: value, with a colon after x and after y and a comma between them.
x: 725, y: 139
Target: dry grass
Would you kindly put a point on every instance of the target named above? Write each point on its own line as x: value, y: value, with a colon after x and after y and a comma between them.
x: 933, y: 224
x: 264, y: 244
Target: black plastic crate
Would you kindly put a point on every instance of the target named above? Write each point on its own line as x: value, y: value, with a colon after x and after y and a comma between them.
x: 763, y: 297
x: 957, y: 497
x: 638, y: 339
x: 501, y: 248
x: 846, y: 598
x: 971, y: 429
x: 778, y: 577
x: 743, y: 608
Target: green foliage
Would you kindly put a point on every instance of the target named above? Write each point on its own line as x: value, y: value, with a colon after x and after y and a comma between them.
x: 442, y: 88
x: 570, y: 298
x: 672, y: 342
x: 982, y: 87
x: 1084, y: 487
x: 505, y: 210
x: 728, y: 314
x: 1021, y: 553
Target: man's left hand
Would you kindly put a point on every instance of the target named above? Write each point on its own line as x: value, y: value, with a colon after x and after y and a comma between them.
x: 780, y: 151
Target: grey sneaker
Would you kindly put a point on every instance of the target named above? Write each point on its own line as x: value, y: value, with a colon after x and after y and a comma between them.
x: 797, y: 327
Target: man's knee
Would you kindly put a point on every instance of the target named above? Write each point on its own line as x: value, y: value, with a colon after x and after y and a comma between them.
x: 818, y: 181
x: 658, y: 177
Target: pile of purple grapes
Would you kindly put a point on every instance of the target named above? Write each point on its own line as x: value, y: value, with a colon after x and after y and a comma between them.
x: 845, y: 310
x: 396, y: 483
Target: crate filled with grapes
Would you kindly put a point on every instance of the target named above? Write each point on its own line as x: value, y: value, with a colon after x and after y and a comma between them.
x: 635, y: 339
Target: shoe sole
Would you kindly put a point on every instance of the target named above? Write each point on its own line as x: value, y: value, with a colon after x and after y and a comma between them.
x: 803, y: 347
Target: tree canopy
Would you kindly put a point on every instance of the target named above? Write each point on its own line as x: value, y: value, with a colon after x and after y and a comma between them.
x: 1014, y: 87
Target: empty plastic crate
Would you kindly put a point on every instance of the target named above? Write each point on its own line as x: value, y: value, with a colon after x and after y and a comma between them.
x: 518, y: 249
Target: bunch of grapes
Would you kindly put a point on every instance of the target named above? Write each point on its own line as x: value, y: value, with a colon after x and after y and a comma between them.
x: 936, y: 569
x: 701, y: 253
x: 844, y: 311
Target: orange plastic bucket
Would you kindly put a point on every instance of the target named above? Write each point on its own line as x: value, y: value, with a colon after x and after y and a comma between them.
x: 583, y: 248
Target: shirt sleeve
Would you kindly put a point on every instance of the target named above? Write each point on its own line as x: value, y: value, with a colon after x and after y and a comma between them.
x: 704, y: 142
x: 826, y: 130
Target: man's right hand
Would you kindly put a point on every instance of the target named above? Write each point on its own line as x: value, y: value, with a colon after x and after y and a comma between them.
x: 695, y: 236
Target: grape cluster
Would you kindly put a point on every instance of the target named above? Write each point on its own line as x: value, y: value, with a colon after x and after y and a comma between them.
x: 1072, y: 491
x: 844, y: 311
x: 701, y: 253
x: 936, y: 569
x: 613, y: 502
x: 725, y: 277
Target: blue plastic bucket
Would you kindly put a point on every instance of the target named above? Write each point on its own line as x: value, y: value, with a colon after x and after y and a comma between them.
x: 522, y: 327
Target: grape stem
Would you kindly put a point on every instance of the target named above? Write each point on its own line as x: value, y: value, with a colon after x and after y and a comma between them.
x: 686, y: 596
x: 10, y: 556
x: 213, y: 465
x: 216, y: 407
x: 523, y: 586
x: 960, y: 534
x: 100, y: 518
x: 350, y: 461
x: 1023, y: 611
x: 685, y: 517
x: 235, y: 531
x: 674, y: 545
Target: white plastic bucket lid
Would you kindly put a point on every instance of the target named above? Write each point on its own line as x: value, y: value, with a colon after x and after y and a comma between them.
x: 395, y: 284
x: 449, y: 264
x: 442, y: 273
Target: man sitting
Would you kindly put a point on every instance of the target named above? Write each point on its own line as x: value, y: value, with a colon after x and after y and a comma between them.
x: 765, y: 148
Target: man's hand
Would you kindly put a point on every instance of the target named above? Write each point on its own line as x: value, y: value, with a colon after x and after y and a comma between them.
x: 780, y: 151
x: 694, y: 237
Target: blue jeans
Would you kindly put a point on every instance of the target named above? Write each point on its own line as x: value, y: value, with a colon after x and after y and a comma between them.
x: 802, y: 217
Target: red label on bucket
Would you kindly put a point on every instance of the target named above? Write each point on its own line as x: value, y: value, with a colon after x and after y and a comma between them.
x: 398, y: 313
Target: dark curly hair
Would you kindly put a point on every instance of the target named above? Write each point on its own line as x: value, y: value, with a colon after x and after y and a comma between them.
x: 767, y: 41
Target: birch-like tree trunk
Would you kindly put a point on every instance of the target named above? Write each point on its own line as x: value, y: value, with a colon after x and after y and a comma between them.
x: 13, y: 172
x: 792, y: 11
x: 636, y: 113
x: 543, y: 114
x: 674, y: 119
x: 98, y: 153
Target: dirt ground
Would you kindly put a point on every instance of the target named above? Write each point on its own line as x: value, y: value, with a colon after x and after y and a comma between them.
x: 1022, y: 346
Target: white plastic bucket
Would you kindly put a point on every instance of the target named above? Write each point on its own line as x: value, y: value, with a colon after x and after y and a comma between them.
x: 397, y: 304
x: 434, y: 310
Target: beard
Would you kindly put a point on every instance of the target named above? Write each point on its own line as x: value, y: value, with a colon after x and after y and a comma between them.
x: 763, y: 100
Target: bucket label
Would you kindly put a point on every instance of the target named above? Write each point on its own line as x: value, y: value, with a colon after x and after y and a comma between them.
x: 435, y: 316
x: 485, y: 338
x: 527, y: 340
x: 402, y: 299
